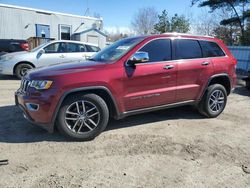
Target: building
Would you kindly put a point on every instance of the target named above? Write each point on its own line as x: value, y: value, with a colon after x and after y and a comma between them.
x: 22, y: 23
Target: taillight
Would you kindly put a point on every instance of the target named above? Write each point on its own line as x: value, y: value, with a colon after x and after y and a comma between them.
x: 25, y: 46
x: 235, y: 62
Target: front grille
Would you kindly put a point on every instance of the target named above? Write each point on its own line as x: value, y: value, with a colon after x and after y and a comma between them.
x: 25, y: 85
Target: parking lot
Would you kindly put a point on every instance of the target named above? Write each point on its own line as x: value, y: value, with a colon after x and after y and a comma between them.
x: 170, y: 148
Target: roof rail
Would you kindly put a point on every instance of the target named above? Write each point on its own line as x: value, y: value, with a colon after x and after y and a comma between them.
x: 186, y: 34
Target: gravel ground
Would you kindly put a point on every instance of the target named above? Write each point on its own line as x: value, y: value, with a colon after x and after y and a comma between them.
x: 170, y: 148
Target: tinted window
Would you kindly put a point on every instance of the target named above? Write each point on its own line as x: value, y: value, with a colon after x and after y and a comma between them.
x: 158, y: 50
x: 211, y: 49
x: 56, y: 48
x: 187, y: 49
x: 72, y: 47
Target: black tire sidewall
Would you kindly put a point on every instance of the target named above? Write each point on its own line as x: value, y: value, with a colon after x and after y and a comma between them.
x: 104, y: 117
x: 19, y: 68
x: 210, y: 90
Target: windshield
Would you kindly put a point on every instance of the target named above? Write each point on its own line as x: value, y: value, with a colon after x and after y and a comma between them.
x: 116, y: 50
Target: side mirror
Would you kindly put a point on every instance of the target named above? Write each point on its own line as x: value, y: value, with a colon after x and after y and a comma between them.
x: 138, y: 57
x: 42, y: 51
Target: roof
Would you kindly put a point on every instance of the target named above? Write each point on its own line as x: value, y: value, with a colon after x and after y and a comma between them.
x: 186, y: 35
x: 92, y: 29
x: 48, y: 12
x: 73, y: 41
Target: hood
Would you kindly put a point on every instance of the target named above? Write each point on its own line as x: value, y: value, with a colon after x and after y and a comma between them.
x: 65, y: 68
x: 13, y: 55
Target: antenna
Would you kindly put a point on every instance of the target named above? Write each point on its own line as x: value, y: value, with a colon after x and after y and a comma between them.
x: 87, y: 9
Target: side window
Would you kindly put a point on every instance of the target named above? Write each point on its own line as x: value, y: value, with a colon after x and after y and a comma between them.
x: 158, y: 50
x: 73, y: 48
x: 55, y: 48
x: 211, y: 49
x: 93, y: 48
x: 187, y: 49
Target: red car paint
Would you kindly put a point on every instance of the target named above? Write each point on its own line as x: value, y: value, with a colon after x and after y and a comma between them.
x: 148, y: 85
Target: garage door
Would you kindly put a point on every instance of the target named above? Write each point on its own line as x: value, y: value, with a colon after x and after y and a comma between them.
x: 93, y: 39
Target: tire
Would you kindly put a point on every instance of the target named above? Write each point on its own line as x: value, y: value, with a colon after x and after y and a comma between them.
x: 214, y: 101
x: 248, y: 84
x: 77, y: 123
x: 22, y: 69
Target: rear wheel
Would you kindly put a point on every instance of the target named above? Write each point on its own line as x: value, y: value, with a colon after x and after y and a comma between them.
x: 214, y: 101
x: 83, y: 117
x: 22, y: 69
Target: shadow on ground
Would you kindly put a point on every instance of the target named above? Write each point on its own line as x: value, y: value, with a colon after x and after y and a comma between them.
x: 5, y: 77
x: 242, y: 91
x: 15, y: 129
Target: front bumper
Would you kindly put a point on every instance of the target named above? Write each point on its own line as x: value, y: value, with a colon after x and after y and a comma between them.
x: 6, y: 68
x: 43, y: 116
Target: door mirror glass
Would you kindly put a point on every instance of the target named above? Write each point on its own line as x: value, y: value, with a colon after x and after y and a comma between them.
x: 138, y: 57
x: 42, y: 51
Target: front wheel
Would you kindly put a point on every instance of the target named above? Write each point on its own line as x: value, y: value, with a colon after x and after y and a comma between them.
x: 22, y: 69
x: 83, y: 117
x: 214, y: 101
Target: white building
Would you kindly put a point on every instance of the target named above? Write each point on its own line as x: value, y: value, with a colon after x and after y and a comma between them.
x: 22, y: 23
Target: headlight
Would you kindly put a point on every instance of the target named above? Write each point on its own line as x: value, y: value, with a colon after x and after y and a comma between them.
x: 6, y: 57
x: 41, y: 84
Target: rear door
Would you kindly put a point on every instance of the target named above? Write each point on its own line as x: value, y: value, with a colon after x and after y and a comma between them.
x: 193, y: 69
x: 152, y: 83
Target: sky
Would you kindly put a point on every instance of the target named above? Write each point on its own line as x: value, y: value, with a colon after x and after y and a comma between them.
x: 115, y: 13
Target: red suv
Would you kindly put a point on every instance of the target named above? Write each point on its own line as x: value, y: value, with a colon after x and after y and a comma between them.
x: 132, y: 76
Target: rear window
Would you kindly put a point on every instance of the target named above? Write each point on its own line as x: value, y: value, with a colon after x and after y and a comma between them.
x: 211, y: 49
x: 187, y: 49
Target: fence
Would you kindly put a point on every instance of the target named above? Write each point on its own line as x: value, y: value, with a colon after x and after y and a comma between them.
x: 242, y: 54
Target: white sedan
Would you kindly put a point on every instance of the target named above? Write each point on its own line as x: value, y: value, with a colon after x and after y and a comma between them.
x: 55, y: 52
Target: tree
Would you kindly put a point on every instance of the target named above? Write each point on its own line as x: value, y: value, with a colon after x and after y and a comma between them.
x: 176, y: 24
x: 144, y: 21
x: 239, y: 9
x: 180, y: 24
x: 163, y: 24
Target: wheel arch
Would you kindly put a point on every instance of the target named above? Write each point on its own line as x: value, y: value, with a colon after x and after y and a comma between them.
x: 101, y: 91
x: 222, y: 79
x: 23, y: 62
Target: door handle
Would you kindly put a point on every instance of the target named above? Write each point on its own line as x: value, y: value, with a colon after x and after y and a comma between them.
x: 62, y: 56
x: 168, y: 67
x: 205, y: 63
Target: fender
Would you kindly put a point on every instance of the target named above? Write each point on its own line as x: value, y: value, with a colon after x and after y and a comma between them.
x: 211, y: 78
x: 117, y: 113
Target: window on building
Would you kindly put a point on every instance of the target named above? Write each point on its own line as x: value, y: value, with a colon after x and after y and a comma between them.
x: 158, y: 50
x: 65, y: 32
x: 187, y: 49
x: 211, y: 49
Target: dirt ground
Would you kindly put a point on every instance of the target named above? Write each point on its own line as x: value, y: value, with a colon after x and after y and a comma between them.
x: 170, y: 148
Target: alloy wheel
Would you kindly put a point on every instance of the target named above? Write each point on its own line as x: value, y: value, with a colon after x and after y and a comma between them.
x: 82, y: 117
x: 216, y: 101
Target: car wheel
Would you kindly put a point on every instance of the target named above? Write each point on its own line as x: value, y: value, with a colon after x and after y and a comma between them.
x: 21, y: 70
x: 214, y: 101
x: 83, y: 117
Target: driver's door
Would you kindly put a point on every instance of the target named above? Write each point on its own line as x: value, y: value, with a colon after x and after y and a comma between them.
x: 54, y: 53
x: 152, y: 83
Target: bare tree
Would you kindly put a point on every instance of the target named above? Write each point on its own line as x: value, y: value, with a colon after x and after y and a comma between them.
x: 144, y: 20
